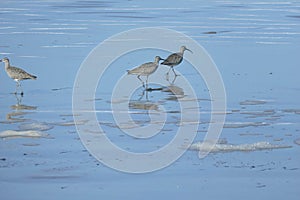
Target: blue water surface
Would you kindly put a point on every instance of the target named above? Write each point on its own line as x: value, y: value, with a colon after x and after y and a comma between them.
x: 254, y: 44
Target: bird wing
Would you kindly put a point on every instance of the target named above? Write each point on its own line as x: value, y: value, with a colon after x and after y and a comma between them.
x: 142, y: 69
x: 173, y: 59
x: 17, y: 73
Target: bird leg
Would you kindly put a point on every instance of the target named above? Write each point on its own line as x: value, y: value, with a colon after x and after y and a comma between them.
x: 22, y: 93
x: 147, y: 83
x: 173, y: 81
x: 19, y: 100
x: 147, y: 95
x: 19, y: 86
x: 174, y: 72
x: 141, y: 80
x: 169, y: 71
x: 167, y: 74
x: 142, y: 95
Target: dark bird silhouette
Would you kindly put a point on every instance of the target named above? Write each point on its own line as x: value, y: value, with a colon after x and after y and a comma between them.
x: 175, y: 59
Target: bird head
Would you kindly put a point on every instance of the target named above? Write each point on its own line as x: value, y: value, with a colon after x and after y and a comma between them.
x: 157, y: 58
x: 5, y: 60
x: 183, y: 48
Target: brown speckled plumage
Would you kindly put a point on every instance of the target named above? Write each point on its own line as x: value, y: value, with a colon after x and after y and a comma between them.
x: 16, y: 73
x: 146, y: 69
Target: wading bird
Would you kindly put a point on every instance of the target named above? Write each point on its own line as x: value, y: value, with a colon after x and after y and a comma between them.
x: 175, y: 59
x: 145, y: 69
x: 17, y: 74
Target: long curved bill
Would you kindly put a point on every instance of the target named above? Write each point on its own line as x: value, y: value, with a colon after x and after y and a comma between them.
x: 189, y: 50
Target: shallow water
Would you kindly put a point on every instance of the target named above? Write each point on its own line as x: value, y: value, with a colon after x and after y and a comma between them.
x: 255, y: 46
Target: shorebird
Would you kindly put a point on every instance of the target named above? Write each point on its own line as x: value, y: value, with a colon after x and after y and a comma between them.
x: 17, y: 74
x: 175, y: 59
x: 146, y: 69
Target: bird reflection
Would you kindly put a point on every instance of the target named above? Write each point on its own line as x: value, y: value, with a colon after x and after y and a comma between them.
x: 143, y: 105
x: 145, y: 91
x: 143, y: 102
x: 175, y: 92
x: 18, y: 110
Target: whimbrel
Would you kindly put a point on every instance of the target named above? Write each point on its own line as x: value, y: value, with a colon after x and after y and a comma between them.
x: 146, y: 69
x: 16, y: 73
x: 175, y: 59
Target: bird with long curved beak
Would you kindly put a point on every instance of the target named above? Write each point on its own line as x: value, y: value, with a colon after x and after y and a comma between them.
x: 175, y: 59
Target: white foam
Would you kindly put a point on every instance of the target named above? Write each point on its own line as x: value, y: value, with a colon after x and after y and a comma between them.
x: 58, y: 28
x: 235, y: 147
x: 244, y: 124
x: 37, y: 126
x: 64, y: 46
x: 12, y: 133
x: 253, y: 102
x: 70, y: 123
x: 297, y: 141
x: 7, y: 27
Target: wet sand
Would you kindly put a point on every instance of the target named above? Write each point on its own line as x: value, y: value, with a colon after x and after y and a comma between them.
x: 255, y: 47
